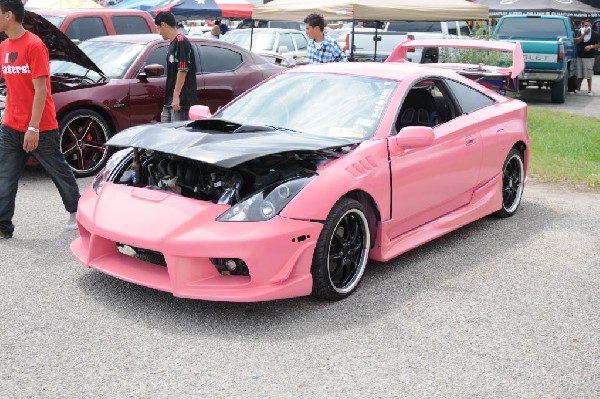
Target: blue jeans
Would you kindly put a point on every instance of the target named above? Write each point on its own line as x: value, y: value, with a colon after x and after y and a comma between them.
x: 12, y: 164
x: 168, y: 115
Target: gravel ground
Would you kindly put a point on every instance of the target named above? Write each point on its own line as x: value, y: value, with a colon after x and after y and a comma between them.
x: 500, y: 308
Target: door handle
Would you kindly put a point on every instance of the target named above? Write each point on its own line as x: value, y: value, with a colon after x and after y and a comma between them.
x: 470, y: 140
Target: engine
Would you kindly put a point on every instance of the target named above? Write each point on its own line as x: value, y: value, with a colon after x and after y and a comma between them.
x: 207, y: 182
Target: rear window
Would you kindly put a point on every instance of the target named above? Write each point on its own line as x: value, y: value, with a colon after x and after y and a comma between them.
x: 532, y: 28
x: 413, y: 26
x: 126, y: 24
x: 86, y: 28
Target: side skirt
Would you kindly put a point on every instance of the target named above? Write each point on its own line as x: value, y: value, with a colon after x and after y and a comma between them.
x: 486, y: 200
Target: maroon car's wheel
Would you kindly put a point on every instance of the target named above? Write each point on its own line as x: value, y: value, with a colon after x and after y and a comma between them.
x: 342, y: 251
x: 513, y: 181
x: 83, y: 135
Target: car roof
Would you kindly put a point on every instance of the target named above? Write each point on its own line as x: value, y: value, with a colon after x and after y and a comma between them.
x: 86, y: 11
x: 280, y: 30
x: 146, y: 38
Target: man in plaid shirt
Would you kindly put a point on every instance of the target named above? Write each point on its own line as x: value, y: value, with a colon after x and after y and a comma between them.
x: 321, y: 48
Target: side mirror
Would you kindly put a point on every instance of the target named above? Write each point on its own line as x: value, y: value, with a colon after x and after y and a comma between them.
x: 151, y: 70
x: 154, y: 70
x: 283, y: 49
x: 411, y: 137
x: 199, y: 112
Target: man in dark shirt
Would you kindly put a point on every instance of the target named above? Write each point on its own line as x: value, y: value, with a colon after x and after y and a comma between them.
x: 180, y: 90
x: 587, y: 43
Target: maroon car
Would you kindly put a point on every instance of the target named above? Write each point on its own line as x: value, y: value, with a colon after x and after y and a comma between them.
x: 111, y: 83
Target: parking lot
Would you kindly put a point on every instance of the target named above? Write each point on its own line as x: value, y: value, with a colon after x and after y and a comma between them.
x: 500, y: 308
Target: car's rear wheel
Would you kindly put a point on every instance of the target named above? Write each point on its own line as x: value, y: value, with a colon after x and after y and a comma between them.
x: 513, y: 181
x: 558, y: 91
x: 83, y: 135
x: 342, y: 251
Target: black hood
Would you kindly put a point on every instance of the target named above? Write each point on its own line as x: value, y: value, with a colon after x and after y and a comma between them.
x: 222, y: 149
x: 59, y: 45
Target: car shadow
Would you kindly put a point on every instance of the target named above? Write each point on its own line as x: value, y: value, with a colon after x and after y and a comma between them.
x: 432, y: 267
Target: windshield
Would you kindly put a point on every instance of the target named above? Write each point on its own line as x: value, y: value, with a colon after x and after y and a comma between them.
x: 328, y: 105
x: 260, y: 40
x: 114, y: 59
x: 56, y: 21
x: 532, y: 28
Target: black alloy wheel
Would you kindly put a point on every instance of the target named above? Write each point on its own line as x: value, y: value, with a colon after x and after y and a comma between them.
x: 513, y: 180
x: 342, y: 251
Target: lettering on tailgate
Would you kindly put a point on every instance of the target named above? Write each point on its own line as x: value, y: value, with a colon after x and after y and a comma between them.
x: 538, y: 57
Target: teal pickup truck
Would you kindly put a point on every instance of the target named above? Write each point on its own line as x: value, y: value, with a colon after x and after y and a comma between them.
x: 548, y: 48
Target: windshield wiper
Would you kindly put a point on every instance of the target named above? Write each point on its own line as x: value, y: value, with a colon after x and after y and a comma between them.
x: 73, y: 76
x: 284, y: 129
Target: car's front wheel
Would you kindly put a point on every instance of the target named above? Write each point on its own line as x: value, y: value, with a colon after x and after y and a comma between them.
x: 83, y: 135
x: 342, y: 251
x: 513, y: 181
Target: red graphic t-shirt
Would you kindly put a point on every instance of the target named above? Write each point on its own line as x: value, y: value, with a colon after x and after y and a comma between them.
x: 21, y: 61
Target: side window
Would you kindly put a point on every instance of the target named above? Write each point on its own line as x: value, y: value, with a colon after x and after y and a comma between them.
x: 158, y: 56
x: 452, y: 28
x: 125, y: 24
x: 218, y: 59
x: 86, y: 28
x: 301, y: 41
x: 469, y: 100
x: 285, y: 39
x: 427, y: 103
x: 464, y: 29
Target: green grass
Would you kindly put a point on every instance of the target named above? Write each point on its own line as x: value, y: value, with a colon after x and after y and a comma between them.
x: 565, y: 147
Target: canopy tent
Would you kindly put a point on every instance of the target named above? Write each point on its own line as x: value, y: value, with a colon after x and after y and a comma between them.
x: 235, y: 8
x: 368, y: 10
x: 569, y: 8
x: 229, y: 8
x: 32, y: 4
x: 143, y: 5
x: 188, y: 8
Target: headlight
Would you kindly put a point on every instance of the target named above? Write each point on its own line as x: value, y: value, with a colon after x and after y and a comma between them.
x: 102, y: 177
x: 265, y: 204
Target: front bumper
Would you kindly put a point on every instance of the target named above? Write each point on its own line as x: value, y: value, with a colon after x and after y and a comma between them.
x: 278, y: 252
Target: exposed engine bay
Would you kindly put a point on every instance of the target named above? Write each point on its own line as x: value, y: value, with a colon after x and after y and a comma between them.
x: 207, y: 182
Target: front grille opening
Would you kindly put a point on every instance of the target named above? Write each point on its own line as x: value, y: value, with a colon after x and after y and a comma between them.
x: 154, y: 257
x: 230, y: 266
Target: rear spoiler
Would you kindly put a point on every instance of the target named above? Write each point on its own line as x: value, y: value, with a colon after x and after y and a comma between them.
x: 399, y: 53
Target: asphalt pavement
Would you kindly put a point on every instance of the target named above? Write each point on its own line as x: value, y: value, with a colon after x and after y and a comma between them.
x: 500, y: 308
x: 580, y: 103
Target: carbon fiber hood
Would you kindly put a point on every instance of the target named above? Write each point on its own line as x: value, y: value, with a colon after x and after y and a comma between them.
x: 222, y: 149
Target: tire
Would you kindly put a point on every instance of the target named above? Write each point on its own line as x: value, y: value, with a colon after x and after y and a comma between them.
x: 342, y: 251
x: 572, y: 84
x: 513, y: 181
x: 558, y: 91
x: 83, y: 135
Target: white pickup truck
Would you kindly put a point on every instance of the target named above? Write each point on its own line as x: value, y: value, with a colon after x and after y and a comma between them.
x: 367, y: 46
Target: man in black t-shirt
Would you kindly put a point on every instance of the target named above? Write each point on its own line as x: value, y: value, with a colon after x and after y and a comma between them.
x: 587, y: 43
x: 180, y: 89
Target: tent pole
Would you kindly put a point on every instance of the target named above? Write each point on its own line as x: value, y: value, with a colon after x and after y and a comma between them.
x: 251, y: 32
x: 375, y: 38
x: 352, y: 42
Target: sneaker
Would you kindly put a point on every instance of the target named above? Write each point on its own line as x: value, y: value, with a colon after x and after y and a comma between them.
x: 590, y: 93
x: 4, y: 235
x: 72, y: 223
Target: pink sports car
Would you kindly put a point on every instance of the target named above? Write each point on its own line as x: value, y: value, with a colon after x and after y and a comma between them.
x: 292, y: 187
